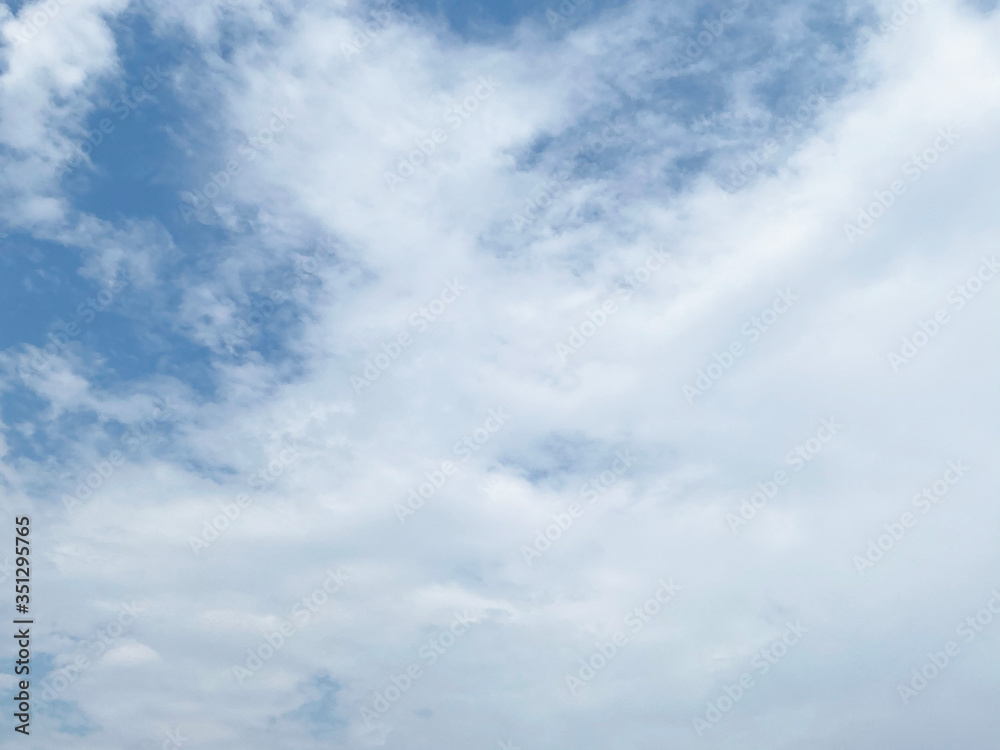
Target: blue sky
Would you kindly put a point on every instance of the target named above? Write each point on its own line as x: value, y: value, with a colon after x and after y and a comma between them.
x: 390, y: 362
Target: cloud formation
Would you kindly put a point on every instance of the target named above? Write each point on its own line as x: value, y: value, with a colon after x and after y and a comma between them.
x: 573, y: 364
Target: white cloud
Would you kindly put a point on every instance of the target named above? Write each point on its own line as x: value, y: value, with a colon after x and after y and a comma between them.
x: 357, y: 455
x: 131, y: 654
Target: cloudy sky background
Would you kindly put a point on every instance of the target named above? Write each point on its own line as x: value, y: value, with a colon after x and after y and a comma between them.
x: 214, y: 328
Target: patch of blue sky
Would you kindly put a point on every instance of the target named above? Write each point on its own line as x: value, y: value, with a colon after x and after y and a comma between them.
x: 320, y: 713
x: 557, y: 458
x: 70, y: 718
x: 66, y: 716
x: 39, y: 283
x: 480, y: 21
x: 133, y: 168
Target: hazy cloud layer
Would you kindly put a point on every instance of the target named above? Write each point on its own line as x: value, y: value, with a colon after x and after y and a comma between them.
x: 610, y: 376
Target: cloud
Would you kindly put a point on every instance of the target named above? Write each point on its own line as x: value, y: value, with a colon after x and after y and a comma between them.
x: 303, y: 267
x: 131, y: 654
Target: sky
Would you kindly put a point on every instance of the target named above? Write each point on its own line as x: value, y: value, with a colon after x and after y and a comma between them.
x: 597, y: 375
